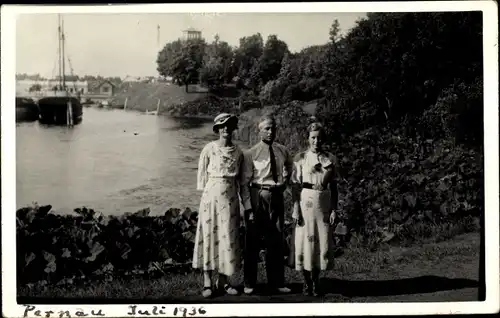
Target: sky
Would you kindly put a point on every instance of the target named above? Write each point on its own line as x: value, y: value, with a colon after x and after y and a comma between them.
x: 126, y: 44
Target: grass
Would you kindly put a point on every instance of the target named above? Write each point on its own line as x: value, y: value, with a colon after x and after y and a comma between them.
x: 442, y: 271
x: 144, y: 96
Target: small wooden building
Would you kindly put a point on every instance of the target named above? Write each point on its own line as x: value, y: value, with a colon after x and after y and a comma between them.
x: 104, y: 87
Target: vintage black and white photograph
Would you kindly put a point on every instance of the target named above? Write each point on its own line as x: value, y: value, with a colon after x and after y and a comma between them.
x: 200, y: 158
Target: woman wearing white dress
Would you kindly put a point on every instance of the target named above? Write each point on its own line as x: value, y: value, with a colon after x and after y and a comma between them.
x: 315, y: 200
x: 221, y: 173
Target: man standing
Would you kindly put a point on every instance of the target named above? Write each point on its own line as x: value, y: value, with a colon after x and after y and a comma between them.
x: 272, y: 169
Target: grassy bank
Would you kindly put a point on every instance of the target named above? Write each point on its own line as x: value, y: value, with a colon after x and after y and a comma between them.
x: 174, y: 100
x: 393, y: 273
x: 145, y: 96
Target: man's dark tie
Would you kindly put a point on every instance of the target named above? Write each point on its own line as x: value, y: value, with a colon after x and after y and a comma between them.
x: 273, y: 164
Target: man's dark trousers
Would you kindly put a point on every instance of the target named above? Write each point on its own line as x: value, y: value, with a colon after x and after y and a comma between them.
x: 268, y: 207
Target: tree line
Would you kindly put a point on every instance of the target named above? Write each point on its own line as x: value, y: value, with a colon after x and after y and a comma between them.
x: 251, y: 65
x: 389, y: 68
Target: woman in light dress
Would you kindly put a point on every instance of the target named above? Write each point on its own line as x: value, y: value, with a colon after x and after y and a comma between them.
x: 315, y: 200
x: 222, y: 175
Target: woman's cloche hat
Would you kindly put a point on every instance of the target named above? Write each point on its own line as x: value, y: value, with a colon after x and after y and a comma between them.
x: 224, y: 119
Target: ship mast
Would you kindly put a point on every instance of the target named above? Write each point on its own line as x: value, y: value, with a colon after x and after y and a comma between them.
x: 63, y: 56
x: 59, y: 50
x: 61, y: 53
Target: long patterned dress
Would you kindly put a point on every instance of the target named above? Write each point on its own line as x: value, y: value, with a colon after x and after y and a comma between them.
x: 221, y: 173
x: 314, y: 240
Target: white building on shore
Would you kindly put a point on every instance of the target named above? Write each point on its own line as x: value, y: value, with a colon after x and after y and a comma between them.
x: 35, y: 88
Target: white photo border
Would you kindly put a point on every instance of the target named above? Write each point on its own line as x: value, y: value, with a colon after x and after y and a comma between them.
x: 491, y: 164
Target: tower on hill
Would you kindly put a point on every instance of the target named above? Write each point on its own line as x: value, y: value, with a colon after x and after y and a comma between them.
x: 191, y: 34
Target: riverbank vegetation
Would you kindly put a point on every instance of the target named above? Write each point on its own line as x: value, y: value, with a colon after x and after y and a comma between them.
x: 401, y: 96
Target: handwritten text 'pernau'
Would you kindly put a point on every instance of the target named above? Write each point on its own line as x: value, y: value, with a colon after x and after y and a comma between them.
x: 61, y: 313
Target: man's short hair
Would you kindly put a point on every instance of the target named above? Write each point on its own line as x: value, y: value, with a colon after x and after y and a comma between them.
x: 267, y: 119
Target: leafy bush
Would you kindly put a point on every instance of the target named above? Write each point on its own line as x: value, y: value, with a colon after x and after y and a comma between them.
x: 391, y: 181
x: 272, y: 92
x: 210, y: 106
x: 457, y: 114
x: 213, y: 105
x: 55, y: 248
x: 293, y: 92
x: 248, y: 101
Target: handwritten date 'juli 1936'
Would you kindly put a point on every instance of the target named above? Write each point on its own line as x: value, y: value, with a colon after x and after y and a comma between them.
x: 177, y: 311
x: 133, y: 310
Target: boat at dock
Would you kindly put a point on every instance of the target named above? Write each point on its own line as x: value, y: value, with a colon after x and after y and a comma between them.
x: 57, y: 109
x: 26, y: 109
x: 60, y: 106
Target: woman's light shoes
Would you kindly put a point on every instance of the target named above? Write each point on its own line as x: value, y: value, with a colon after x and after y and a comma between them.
x: 283, y: 290
x: 248, y: 290
x: 230, y: 290
x: 206, y: 292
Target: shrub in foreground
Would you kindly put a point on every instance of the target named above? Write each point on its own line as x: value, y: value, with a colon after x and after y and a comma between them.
x: 55, y: 247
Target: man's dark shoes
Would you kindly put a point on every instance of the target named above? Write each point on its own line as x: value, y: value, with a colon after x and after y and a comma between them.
x: 316, y: 290
x: 308, y: 290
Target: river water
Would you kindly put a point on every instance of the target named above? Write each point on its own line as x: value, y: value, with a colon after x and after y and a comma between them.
x: 114, y: 162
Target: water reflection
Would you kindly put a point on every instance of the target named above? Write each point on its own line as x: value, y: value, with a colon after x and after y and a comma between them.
x: 187, y: 123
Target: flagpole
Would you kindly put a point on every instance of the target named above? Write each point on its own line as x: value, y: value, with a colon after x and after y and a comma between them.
x: 158, y: 37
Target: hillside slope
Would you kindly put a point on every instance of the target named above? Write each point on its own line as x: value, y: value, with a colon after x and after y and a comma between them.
x: 144, y: 96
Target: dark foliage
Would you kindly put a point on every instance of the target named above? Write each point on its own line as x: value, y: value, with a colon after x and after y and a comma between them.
x: 393, y: 66
x: 63, y: 249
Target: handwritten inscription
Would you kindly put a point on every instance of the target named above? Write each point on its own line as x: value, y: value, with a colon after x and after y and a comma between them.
x: 177, y: 311
x: 133, y: 310
x: 61, y: 314
x: 205, y: 15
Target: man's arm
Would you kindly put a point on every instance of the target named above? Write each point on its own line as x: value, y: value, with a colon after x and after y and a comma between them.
x: 246, y: 176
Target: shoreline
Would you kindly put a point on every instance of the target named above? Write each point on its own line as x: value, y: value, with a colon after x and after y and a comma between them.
x: 138, y: 110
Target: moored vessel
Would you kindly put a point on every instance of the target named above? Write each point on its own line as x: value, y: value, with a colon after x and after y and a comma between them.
x: 60, y: 110
x: 26, y: 109
x: 60, y: 107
